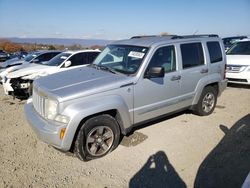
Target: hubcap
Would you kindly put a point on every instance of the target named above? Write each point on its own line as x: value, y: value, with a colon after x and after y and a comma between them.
x: 208, y: 102
x: 99, y: 140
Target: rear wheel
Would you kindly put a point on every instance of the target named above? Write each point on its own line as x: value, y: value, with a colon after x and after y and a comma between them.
x: 97, y: 137
x: 207, y: 102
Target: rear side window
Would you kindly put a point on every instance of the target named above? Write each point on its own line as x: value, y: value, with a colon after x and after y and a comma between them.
x: 214, y: 51
x: 192, y: 55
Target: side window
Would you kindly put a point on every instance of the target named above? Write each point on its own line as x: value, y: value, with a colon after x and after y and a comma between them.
x: 164, y: 57
x: 79, y: 59
x: 41, y: 58
x: 192, y: 55
x: 46, y: 57
x: 92, y: 56
x: 214, y: 51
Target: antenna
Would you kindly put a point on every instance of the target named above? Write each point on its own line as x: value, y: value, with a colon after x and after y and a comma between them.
x: 195, y: 32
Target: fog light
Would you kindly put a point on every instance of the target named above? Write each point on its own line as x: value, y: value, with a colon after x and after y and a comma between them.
x: 62, y: 133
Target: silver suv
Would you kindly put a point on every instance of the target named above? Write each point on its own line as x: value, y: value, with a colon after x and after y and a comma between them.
x: 130, y: 82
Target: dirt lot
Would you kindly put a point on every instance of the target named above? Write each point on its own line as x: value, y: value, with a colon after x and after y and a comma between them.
x: 183, y: 150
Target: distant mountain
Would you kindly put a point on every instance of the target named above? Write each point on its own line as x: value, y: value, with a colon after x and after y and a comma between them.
x: 61, y: 41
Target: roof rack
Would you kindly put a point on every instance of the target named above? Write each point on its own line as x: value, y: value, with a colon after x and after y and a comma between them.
x: 194, y: 36
x: 142, y: 36
x: 175, y: 36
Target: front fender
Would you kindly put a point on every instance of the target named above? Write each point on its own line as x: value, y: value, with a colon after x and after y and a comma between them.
x: 83, y: 109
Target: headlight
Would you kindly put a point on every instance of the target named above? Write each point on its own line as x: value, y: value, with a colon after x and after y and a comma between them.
x: 50, y: 109
x: 62, y: 119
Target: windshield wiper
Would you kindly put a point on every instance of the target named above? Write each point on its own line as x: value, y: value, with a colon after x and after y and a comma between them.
x: 102, y: 67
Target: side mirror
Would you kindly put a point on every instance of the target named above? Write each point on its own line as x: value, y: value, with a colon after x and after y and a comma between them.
x: 35, y: 60
x: 155, y: 72
x: 67, y: 63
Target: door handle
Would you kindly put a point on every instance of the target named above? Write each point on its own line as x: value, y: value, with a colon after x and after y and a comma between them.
x: 176, y: 78
x: 203, y: 71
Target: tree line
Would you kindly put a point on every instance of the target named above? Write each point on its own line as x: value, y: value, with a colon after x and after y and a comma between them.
x: 12, y: 47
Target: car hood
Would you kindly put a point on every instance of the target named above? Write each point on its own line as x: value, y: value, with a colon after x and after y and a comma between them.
x: 28, y: 70
x: 12, y: 62
x: 238, y: 59
x: 79, y: 82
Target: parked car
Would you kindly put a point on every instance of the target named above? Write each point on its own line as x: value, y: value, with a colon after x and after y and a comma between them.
x: 38, y: 56
x: 16, y: 64
x: 3, y: 56
x: 19, y: 82
x: 18, y: 55
x: 229, y: 41
x: 238, y: 63
x: 132, y: 81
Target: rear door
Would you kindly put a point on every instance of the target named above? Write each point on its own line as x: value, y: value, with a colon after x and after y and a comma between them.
x: 217, y: 61
x: 194, y: 68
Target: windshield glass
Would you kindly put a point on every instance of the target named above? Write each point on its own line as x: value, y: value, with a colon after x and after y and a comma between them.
x: 240, y: 48
x: 29, y: 57
x: 57, y: 60
x: 122, y: 58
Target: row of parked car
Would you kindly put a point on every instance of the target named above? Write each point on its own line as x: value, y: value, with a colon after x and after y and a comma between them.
x: 6, y: 56
x: 17, y: 75
x: 88, y: 108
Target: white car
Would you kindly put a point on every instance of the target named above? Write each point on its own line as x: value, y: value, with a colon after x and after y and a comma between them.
x: 238, y: 63
x: 16, y: 64
x: 19, y: 82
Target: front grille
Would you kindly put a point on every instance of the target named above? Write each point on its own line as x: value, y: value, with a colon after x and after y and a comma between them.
x: 235, y: 68
x: 236, y: 80
x: 38, y: 102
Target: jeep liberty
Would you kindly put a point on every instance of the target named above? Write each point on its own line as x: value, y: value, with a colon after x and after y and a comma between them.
x: 130, y: 82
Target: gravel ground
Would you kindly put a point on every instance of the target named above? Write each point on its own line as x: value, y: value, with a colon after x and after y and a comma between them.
x: 183, y: 150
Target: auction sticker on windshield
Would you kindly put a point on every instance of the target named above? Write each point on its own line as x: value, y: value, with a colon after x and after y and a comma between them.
x: 136, y: 54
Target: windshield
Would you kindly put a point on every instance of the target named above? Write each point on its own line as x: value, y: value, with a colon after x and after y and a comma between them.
x: 240, y: 48
x: 29, y: 57
x: 57, y: 60
x: 122, y: 58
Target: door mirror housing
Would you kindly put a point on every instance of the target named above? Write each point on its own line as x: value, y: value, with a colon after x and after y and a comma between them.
x: 155, y: 72
x: 67, y: 63
x: 34, y: 60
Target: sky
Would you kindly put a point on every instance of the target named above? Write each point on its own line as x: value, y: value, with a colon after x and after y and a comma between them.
x: 119, y: 19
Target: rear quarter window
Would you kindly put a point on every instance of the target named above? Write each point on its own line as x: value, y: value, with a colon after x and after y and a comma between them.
x: 214, y: 50
x: 192, y: 55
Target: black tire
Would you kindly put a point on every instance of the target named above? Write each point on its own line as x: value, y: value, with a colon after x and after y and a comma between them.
x: 205, y: 106
x: 90, y: 136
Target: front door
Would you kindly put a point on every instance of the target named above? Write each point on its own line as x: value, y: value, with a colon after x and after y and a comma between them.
x: 157, y: 96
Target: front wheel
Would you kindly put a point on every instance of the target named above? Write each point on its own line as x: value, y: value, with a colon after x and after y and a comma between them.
x: 97, y: 137
x: 207, y: 102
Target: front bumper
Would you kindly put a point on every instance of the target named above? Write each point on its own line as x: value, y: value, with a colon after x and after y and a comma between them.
x: 47, y: 131
x: 239, y: 78
x: 7, y: 86
x: 18, y: 88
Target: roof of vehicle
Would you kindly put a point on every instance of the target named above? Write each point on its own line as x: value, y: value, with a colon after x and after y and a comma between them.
x: 233, y: 37
x: 148, y: 41
x: 244, y: 40
x: 78, y: 51
x: 48, y: 51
